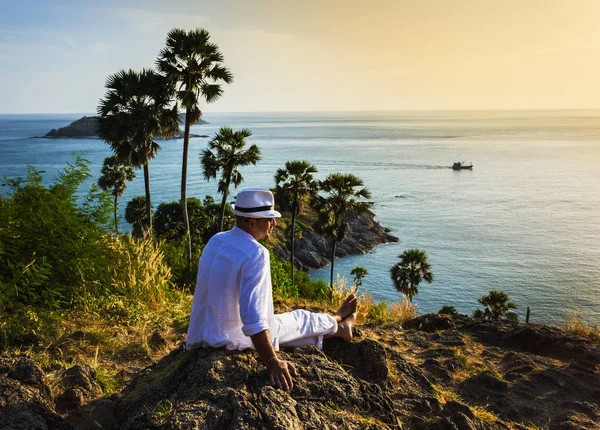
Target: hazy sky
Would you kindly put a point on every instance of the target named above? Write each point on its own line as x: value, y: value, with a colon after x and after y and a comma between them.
x: 314, y: 55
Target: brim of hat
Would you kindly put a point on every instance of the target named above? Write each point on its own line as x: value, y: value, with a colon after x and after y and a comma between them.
x: 262, y: 214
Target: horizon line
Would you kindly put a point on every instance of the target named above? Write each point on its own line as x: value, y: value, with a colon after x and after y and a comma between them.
x: 342, y: 111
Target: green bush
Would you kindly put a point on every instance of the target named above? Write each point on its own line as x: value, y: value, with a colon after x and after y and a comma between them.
x: 448, y: 310
x: 304, y: 287
x: 58, y: 257
x: 168, y: 220
x: 378, y: 313
x: 51, y: 246
x: 175, y: 257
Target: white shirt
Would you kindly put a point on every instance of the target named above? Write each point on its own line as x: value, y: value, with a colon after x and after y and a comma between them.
x: 233, y: 298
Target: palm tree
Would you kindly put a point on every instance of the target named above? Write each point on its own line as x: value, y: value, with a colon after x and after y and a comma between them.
x: 341, y: 199
x: 114, y: 177
x: 294, y: 184
x: 497, y: 305
x: 194, y: 63
x: 412, y: 269
x: 137, y: 108
x: 359, y: 273
x: 226, y: 153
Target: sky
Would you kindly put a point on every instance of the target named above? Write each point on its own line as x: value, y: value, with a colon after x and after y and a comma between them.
x: 313, y: 55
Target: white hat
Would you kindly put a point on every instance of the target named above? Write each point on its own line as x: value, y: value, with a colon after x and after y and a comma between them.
x: 255, y: 203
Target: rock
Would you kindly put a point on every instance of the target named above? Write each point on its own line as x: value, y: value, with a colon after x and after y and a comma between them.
x: 80, y: 387
x: 25, y: 396
x: 157, y: 340
x: 99, y: 414
x: 85, y: 127
x: 313, y: 250
x: 452, y: 407
x: 429, y: 323
x: 366, y: 360
x: 387, y: 377
x: 210, y: 388
x: 482, y: 386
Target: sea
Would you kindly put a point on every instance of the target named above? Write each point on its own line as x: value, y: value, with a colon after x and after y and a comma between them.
x: 525, y: 220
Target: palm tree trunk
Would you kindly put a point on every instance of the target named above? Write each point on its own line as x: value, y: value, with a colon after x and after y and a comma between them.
x: 115, y: 214
x: 184, y: 209
x: 148, y: 203
x: 293, y: 241
x: 223, y: 203
x: 332, y: 263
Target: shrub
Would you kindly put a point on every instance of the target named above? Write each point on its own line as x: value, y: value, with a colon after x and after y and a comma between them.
x: 168, y: 220
x: 174, y: 256
x: 497, y: 306
x: 575, y: 324
x: 135, y: 214
x: 448, y: 310
x: 51, y: 246
x: 383, y: 313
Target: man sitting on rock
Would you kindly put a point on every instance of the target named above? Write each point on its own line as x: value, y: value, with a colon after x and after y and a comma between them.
x: 233, y: 301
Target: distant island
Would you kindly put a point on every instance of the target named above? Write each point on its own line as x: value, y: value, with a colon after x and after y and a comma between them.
x: 84, y: 128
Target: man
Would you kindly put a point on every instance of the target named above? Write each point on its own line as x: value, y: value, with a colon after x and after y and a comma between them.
x: 233, y: 301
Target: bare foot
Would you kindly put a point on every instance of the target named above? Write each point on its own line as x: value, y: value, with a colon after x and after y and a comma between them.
x: 345, y: 328
x: 347, y: 308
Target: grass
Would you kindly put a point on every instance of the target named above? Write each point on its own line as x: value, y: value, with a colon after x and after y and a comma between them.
x: 575, y: 324
x: 483, y: 414
x: 445, y: 395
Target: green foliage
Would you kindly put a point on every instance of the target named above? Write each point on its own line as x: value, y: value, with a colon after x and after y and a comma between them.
x: 136, y: 215
x: 359, y: 273
x: 412, y: 269
x: 478, y: 313
x: 168, y: 220
x: 282, y: 283
x: 448, y: 310
x: 342, y: 194
x: 226, y: 153
x: 50, y: 244
x: 57, y: 257
x: 497, y: 306
x: 114, y: 177
x: 191, y: 62
x: 174, y: 252
x: 136, y: 109
x: 303, y: 287
x: 378, y: 313
x: 294, y: 186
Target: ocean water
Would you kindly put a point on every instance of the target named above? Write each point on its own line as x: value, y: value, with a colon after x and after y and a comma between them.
x: 525, y: 220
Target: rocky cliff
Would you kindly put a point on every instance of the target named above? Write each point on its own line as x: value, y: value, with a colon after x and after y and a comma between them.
x: 313, y: 251
x: 433, y: 372
x: 85, y: 127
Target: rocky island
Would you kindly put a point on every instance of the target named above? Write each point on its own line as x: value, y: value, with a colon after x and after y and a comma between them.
x: 433, y: 372
x: 313, y: 250
x: 84, y: 127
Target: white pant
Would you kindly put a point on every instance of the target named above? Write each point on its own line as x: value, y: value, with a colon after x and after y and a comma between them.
x: 301, y: 328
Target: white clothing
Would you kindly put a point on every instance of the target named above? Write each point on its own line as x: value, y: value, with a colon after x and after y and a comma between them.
x: 234, y: 299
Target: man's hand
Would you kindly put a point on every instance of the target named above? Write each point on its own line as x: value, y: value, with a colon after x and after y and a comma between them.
x: 280, y: 373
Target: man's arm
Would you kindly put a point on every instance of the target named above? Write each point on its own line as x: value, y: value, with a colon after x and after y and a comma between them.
x: 280, y: 371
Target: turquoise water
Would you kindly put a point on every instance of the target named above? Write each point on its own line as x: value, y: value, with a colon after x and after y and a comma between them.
x: 525, y: 220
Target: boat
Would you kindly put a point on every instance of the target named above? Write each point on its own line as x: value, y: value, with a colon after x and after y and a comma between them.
x: 460, y: 165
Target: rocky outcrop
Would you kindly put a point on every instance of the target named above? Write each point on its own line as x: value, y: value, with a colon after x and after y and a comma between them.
x: 85, y: 127
x: 26, y: 400
x: 433, y: 372
x: 313, y: 250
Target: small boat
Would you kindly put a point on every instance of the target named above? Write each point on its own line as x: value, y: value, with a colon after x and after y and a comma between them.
x: 462, y: 166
